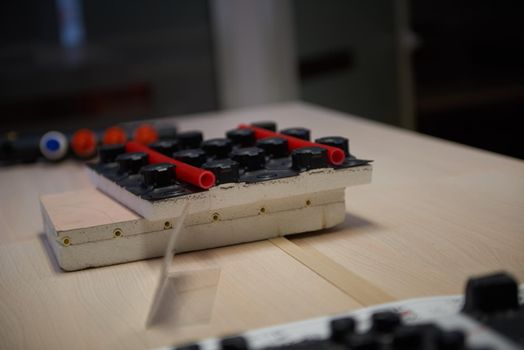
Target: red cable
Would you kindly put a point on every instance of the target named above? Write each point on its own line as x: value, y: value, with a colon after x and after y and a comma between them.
x: 185, y: 172
x: 335, y: 155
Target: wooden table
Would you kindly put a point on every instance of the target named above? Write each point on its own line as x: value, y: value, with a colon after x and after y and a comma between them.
x: 436, y: 213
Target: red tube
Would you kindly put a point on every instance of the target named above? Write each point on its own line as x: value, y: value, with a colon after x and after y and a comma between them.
x: 185, y: 172
x: 335, y: 155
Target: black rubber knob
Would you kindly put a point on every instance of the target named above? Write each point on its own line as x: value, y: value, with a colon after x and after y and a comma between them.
x: 132, y: 162
x: 385, y: 321
x: 301, y: 133
x: 166, y: 147
x: 242, y: 137
x: 250, y: 158
x: 190, y: 139
x: 189, y: 347
x: 225, y: 170
x: 416, y: 337
x: 266, y: 124
x: 335, y: 141
x: 108, y: 153
x: 233, y: 343
x: 341, y: 328
x: 363, y: 342
x: 158, y: 175
x: 195, y: 157
x: 490, y: 294
x: 452, y: 340
x: 309, y: 158
x: 276, y: 147
x: 218, y: 148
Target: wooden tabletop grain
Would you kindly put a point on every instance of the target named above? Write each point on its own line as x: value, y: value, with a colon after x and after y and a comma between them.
x: 435, y: 213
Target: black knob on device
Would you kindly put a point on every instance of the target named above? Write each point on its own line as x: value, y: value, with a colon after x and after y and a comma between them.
x: 341, y: 328
x: 452, y: 340
x: 490, y: 294
x: 309, y: 158
x: 276, y: 147
x: 195, y: 157
x: 225, y: 170
x: 266, y: 124
x: 416, y: 337
x: 242, y: 137
x: 233, y: 343
x: 363, y: 342
x: 190, y: 139
x: 166, y: 147
x: 218, y: 148
x: 385, y: 321
x: 300, y: 133
x: 189, y: 347
x: 159, y: 175
x: 132, y: 162
x: 108, y: 153
x: 250, y: 158
x: 335, y: 141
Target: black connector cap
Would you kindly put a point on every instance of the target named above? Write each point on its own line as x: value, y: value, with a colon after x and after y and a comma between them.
x: 385, y: 321
x: 250, y: 158
x: 132, y: 162
x: 218, y: 148
x: 266, y: 124
x: 190, y: 139
x: 158, y: 175
x: 300, y: 133
x: 491, y: 294
x: 276, y: 147
x: 108, y: 153
x: 308, y: 158
x: 195, y: 157
x: 225, y: 170
x: 166, y: 147
x: 335, y: 141
x: 234, y: 343
x: 341, y: 328
x: 242, y: 137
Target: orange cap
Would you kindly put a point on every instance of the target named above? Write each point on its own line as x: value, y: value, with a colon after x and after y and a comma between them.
x: 83, y: 143
x: 145, y: 134
x: 114, y: 135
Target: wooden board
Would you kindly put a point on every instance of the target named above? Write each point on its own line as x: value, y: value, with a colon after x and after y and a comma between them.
x: 435, y: 212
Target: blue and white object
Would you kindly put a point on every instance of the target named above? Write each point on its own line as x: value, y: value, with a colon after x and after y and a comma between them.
x: 54, y: 145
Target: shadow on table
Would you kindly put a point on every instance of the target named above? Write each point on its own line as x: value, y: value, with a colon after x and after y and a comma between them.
x: 352, y: 225
x: 51, y: 259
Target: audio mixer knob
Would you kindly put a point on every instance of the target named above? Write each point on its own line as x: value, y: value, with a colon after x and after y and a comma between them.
x: 132, y: 162
x: 309, y: 158
x: 159, y: 175
x: 250, y: 158
x: 242, y: 137
x: 276, y: 147
x: 335, y: 141
x: 300, y: 133
x: 218, y: 148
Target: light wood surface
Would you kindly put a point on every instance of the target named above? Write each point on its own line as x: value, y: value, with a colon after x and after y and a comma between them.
x: 435, y: 213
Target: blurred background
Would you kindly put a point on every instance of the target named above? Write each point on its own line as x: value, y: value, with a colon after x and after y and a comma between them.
x: 450, y: 69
